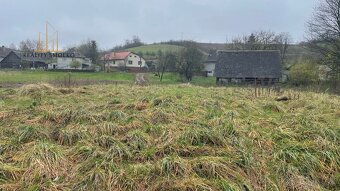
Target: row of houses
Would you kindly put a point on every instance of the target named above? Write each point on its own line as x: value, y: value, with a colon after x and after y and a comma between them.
x: 11, y: 59
x: 246, y: 66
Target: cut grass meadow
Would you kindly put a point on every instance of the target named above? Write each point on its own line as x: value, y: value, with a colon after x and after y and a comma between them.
x: 172, y: 137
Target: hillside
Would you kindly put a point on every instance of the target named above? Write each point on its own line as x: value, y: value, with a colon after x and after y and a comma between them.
x: 151, y: 51
x: 176, y: 137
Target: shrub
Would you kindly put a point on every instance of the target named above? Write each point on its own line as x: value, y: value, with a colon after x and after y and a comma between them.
x: 304, y: 73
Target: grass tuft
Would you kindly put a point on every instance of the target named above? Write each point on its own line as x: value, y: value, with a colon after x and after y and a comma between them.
x: 44, y: 161
x: 174, y: 166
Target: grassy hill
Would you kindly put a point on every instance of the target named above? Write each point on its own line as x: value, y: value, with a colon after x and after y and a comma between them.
x: 175, y: 137
x: 150, y: 51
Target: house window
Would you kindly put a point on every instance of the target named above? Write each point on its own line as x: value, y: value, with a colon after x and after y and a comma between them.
x: 114, y: 62
x: 140, y: 63
x: 130, y: 62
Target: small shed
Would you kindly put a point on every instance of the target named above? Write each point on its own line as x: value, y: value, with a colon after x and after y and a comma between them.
x: 248, y: 66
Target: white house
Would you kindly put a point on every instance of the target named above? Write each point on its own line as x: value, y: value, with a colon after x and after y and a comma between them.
x: 124, y: 60
x: 209, y: 64
x: 64, y: 63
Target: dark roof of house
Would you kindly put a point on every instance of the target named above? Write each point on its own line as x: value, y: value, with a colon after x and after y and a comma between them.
x: 211, y: 58
x: 21, y: 57
x: 248, y: 64
x: 4, y: 51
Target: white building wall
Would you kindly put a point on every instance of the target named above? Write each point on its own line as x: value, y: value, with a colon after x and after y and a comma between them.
x: 133, y: 60
x: 64, y: 63
x: 210, y: 69
x: 116, y: 63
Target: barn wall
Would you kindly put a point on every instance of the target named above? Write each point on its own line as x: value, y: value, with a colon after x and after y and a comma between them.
x: 10, y: 61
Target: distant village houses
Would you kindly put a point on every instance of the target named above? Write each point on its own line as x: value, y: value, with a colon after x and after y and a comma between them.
x: 125, y: 60
x: 13, y: 59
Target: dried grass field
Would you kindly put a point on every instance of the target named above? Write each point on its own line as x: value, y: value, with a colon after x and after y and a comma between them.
x: 173, y: 137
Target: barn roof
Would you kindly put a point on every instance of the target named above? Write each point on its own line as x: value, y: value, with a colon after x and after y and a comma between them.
x: 249, y: 64
x: 4, y: 51
x: 19, y: 55
x: 212, y: 58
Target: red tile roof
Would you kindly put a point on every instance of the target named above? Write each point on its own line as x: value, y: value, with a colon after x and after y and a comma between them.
x: 117, y: 55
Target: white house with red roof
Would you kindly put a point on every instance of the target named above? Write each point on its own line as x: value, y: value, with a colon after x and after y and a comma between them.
x: 124, y: 60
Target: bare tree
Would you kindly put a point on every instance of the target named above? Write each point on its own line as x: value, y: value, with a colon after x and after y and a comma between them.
x: 12, y: 46
x: 28, y: 45
x: 165, y: 61
x: 239, y: 43
x: 263, y: 40
x: 282, y: 42
x: 324, y: 34
x: 190, y: 60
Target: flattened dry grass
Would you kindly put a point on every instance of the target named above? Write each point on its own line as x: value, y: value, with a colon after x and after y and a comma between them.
x: 175, y: 137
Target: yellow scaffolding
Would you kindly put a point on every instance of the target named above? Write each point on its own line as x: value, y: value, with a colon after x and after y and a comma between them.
x: 47, y: 48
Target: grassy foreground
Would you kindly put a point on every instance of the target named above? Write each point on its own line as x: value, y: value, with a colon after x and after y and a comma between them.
x: 48, y: 76
x: 175, y: 137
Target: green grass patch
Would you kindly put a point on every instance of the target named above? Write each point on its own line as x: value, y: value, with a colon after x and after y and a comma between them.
x: 154, y: 48
x: 47, y: 76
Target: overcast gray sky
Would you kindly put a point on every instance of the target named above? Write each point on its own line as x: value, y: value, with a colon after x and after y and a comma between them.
x: 110, y: 22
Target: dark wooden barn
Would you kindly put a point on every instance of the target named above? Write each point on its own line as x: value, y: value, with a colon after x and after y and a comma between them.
x: 249, y: 66
x: 4, y: 52
x: 15, y: 60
